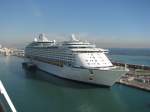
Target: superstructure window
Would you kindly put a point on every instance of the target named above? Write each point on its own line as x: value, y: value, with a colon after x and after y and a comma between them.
x: 76, y: 44
x: 79, y: 47
x: 41, y: 44
x: 85, y: 52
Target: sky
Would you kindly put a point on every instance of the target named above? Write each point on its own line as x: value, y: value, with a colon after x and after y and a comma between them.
x: 108, y: 23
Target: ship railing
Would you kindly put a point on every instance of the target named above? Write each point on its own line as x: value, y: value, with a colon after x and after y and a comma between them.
x: 7, y: 98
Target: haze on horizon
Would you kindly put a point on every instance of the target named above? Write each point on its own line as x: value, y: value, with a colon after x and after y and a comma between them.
x: 109, y: 23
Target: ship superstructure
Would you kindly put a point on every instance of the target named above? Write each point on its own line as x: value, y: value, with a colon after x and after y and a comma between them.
x: 73, y: 59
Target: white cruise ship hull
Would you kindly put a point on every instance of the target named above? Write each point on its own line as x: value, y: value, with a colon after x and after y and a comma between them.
x: 98, y: 77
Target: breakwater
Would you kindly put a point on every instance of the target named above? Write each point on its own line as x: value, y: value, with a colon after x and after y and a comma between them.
x: 133, y: 66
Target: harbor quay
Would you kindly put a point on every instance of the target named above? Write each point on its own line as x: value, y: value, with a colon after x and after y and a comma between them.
x: 11, y: 51
x: 137, y: 77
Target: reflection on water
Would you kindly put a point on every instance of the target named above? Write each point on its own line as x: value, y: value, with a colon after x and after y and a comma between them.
x: 57, y: 81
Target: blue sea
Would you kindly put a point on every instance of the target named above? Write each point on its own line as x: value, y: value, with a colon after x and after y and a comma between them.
x: 130, y: 55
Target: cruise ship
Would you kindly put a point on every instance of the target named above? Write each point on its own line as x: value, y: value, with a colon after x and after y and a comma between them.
x: 73, y: 59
